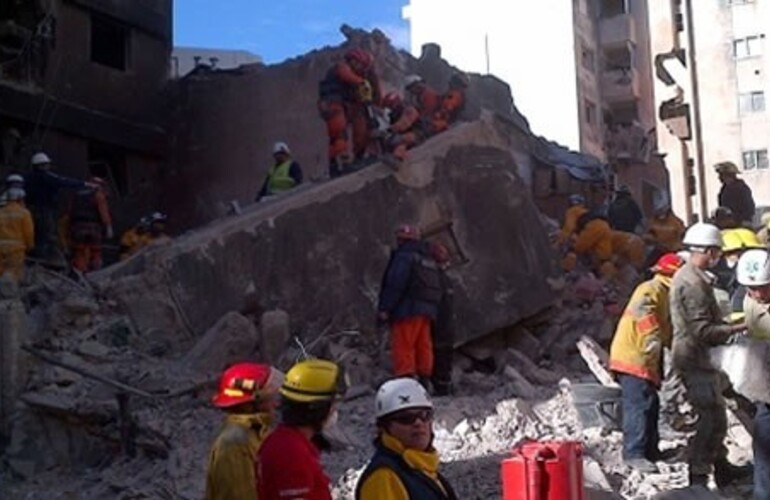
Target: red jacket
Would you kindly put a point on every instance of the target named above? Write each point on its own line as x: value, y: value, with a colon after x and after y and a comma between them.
x: 289, y: 468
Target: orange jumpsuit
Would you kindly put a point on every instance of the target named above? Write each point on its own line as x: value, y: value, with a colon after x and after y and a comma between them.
x: 595, y: 240
x: 571, y: 217
x: 89, y: 216
x: 340, y: 105
x: 16, y: 238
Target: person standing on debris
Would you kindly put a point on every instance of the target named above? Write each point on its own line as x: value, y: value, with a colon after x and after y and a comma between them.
x: 624, y: 213
x: 284, y: 175
x: 289, y: 466
x: 346, y: 96
x: 89, y: 220
x: 405, y: 463
x: 135, y: 238
x: 443, y: 328
x: 698, y: 326
x: 16, y: 233
x: 636, y: 357
x: 735, y: 194
x: 248, y: 396
x: 405, y: 129
x: 410, y: 294
x: 753, y: 272
x: 42, y: 187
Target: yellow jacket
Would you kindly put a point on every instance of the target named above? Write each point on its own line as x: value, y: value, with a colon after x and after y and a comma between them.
x: 132, y: 241
x: 571, y: 217
x: 643, y: 331
x: 667, y: 232
x: 595, y: 238
x: 232, y: 469
x: 384, y: 483
x: 630, y: 247
x: 17, y: 233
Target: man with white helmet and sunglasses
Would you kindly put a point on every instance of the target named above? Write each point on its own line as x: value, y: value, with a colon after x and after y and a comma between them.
x: 405, y: 464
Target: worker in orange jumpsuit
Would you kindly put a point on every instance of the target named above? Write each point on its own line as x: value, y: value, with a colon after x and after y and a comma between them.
x: 422, y: 97
x: 451, y: 105
x: 665, y: 230
x: 405, y: 129
x: 594, y: 242
x: 577, y: 208
x: 346, y: 97
x: 89, y: 220
x: 628, y: 248
x: 17, y: 235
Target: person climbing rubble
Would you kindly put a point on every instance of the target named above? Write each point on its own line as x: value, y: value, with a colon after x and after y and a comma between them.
x: 451, y: 104
x: 698, y: 325
x: 624, y: 213
x: 405, y: 463
x: 89, y: 221
x: 289, y: 466
x: 636, y: 358
x: 405, y: 130
x: 43, y: 186
x: 284, y: 175
x: 248, y: 397
x: 593, y: 242
x: 410, y: 294
x: 735, y: 194
x: 17, y: 233
x: 347, y: 95
x: 443, y: 328
x: 753, y: 271
x: 576, y: 209
x: 135, y: 238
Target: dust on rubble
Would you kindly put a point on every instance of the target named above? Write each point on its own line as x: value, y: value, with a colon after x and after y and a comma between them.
x: 67, y: 436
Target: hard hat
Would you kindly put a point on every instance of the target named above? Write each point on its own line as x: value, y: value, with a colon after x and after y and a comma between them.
x: 459, y: 80
x: 684, y: 255
x: 313, y: 380
x: 576, y: 199
x: 400, y: 394
x: 734, y: 240
x: 702, y: 234
x: 391, y: 100
x: 668, y: 264
x: 361, y: 56
x: 754, y: 268
x: 245, y: 382
x: 411, y: 80
x: 15, y: 194
x: 158, y: 217
x: 726, y: 167
x: 40, y: 159
x: 408, y: 232
x: 14, y: 179
x: 281, y: 147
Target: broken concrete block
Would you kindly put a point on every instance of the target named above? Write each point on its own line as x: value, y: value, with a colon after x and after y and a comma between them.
x: 275, y: 335
x: 522, y: 339
x: 14, y: 332
x: 232, y: 339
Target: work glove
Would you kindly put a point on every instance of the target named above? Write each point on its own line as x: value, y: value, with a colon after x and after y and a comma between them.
x: 108, y: 232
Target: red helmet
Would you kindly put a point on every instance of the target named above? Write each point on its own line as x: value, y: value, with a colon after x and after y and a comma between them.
x: 408, y: 232
x: 392, y: 100
x: 668, y: 264
x: 242, y: 383
x: 361, y: 56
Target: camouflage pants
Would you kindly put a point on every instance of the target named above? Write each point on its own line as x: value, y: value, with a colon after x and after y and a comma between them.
x: 704, y: 392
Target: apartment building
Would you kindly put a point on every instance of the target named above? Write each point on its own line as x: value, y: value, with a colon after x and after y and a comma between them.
x: 712, y: 96
x: 580, y: 71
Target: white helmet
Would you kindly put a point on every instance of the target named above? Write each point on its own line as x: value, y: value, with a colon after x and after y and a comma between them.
x: 400, y: 394
x: 281, y: 147
x: 411, y: 80
x: 703, y: 235
x: 15, y: 194
x: 754, y: 268
x: 40, y: 159
x: 14, y: 179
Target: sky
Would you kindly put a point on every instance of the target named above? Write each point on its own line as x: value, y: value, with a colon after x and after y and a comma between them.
x: 279, y: 29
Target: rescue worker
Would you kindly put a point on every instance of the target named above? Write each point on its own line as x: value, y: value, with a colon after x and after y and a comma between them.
x: 753, y: 272
x: 346, y: 96
x: 451, y: 105
x: 248, y: 397
x: 624, y: 213
x: 409, y: 298
x: 422, y: 97
x: 594, y: 242
x: 89, y: 221
x: 628, y: 248
x: 665, y: 230
x: 135, y: 238
x: 12, y: 181
x: 734, y: 243
x: 636, y: 357
x: 735, y: 194
x: 405, y: 463
x: 17, y: 233
x: 289, y: 466
x: 443, y: 328
x: 577, y: 208
x: 405, y: 130
x: 723, y: 218
x: 698, y: 326
x: 284, y: 175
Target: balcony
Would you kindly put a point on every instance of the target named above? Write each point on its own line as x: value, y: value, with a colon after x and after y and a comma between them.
x: 629, y: 144
x: 620, y: 85
x: 617, y: 30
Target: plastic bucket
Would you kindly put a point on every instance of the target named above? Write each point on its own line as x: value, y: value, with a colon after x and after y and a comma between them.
x: 598, y: 405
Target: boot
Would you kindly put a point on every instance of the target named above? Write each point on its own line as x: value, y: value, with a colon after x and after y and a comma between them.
x: 726, y: 473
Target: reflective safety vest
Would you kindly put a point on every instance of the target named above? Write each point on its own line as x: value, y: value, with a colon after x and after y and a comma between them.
x: 279, y: 180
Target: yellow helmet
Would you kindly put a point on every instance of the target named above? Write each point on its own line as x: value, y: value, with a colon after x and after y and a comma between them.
x: 735, y: 240
x: 312, y: 380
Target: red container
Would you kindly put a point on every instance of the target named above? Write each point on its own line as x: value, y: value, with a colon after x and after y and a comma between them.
x: 549, y: 470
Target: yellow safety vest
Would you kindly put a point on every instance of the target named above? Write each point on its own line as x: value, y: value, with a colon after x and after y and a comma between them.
x: 279, y: 180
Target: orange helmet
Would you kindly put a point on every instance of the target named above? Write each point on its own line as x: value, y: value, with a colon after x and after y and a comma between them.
x: 408, y: 232
x: 391, y: 100
x: 363, y: 57
x: 242, y: 383
x: 668, y: 264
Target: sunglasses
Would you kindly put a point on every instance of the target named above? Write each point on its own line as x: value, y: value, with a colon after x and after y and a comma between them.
x: 410, y: 417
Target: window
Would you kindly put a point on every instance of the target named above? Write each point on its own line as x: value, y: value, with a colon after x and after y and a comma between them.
x: 590, y: 112
x: 619, y: 58
x: 587, y: 58
x: 752, y: 102
x: 109, y: 42
x: 612, y: 8
x: 755, y: 159
x: 748, y: 47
